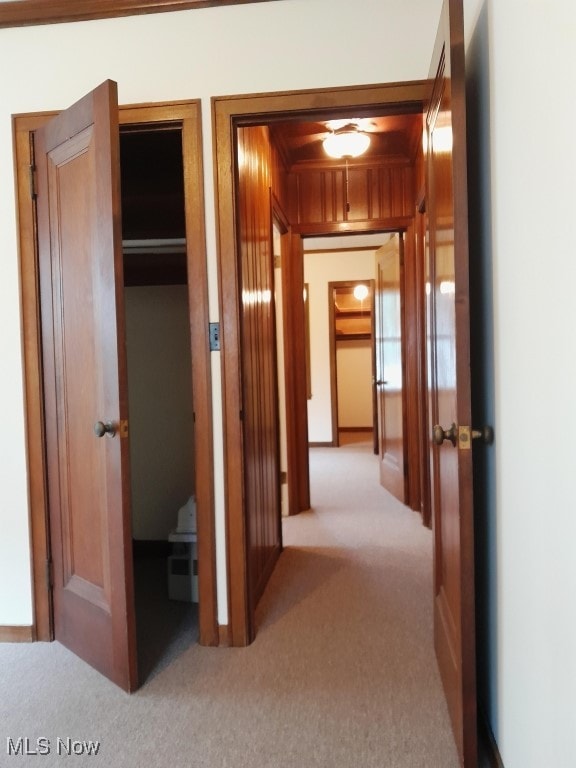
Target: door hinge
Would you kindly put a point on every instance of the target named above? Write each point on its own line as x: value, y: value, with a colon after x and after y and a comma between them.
x: 214, y: 336
x: 123, y: 428
x: 33, y: 190
x: 50, y: 573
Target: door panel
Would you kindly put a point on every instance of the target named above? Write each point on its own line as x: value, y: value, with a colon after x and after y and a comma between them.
x: 450, y: 379
x: 389, y: 368
x: 79, y: 242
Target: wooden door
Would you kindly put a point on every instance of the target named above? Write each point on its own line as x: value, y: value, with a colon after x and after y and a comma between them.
x: 389, y: 367
x: 451, y: 459
x: 80, y: 262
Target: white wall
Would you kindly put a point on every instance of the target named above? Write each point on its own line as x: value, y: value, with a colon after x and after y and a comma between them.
x: 187, y: 54
x: 324, y: 263
x: 161, y: 420
x: 524, y: 50
x: 354, y: 371
x: 521, y: 63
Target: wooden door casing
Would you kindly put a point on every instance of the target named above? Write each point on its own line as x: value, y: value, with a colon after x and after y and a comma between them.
x: 390, y: 378
x: 80, y: 260
x: 294, y: 321
x: 449, y: 334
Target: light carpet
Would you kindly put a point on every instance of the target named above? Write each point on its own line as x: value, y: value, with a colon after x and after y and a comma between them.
x: 342, y: 673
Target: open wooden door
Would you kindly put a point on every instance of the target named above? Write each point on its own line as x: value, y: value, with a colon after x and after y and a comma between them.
x: 389, y: 367
x: 80, y: 258
x: 449, y: 366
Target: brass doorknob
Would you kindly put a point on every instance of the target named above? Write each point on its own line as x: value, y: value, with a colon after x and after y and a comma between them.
x: 104, y: 428
x: 462, y: 435
x: 439, y: 434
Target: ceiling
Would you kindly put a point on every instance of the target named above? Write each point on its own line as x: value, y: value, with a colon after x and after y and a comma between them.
x: 152, y: 172
x: 395, y: 136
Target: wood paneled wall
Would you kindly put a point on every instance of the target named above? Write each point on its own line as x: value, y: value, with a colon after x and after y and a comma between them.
x: 258, y: 353
x: 322, y: 198
x: 279, y: 180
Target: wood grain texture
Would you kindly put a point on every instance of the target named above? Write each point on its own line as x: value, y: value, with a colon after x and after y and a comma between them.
x: 17, y: 634
x: 449, y: 333
x: 390, y: 367
x: 80, y: 264
x: 319, y: 194
x: 229, y: 112
x: 259, y: 372
x: 413, y: 342
x: 296, y: 374
x: 20, y: 13
x: 185, y: 115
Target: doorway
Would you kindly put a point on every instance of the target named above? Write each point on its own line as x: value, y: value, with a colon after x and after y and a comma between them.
x: 311, y: 209
x: 352, y: 372
x: 160, y: 395
x: 441, y: 102
x: 183, y: 118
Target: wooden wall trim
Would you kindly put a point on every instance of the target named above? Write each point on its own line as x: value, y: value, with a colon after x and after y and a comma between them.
x: 413, y: 343
x: 224, y: 635
x: 336, y: 194
x: 188, y: 115
x: 333, y: 367
x: 365, y: 226
x: 29, y: 298
x: 317, y: 444
x: 23, y: 13
x: 259, y: 359
x: 296, y: 369
x: 16, y: 634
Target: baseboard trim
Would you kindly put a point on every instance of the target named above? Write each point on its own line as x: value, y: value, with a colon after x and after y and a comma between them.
x: 322, y: 445
x: 488, y: 743
x: 224, y: 635
x: 16, y: 634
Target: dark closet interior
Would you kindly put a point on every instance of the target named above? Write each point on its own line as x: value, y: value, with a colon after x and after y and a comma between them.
x: 159, y: 390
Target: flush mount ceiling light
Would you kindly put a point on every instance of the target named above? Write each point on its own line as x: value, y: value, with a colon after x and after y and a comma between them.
x: 361, y: 292
x: 347, y: 141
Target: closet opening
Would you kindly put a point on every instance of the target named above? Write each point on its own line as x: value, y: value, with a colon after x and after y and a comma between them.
x: 161, y: 408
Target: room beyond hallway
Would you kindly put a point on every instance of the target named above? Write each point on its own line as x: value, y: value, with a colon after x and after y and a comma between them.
x: 342, y: 671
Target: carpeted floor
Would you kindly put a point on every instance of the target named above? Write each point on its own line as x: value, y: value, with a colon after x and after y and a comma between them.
x: 342, y: 672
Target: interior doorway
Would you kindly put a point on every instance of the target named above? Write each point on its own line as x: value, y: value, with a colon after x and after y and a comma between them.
x: 160, y: 394
x: 183, y: 265
x: 347, y: 197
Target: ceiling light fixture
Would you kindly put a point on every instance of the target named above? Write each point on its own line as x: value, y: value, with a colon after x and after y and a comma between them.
x: 346, y: 142
x: 360, y: 292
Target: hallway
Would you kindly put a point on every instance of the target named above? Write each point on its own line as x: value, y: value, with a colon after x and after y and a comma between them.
x: 342, y: 672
